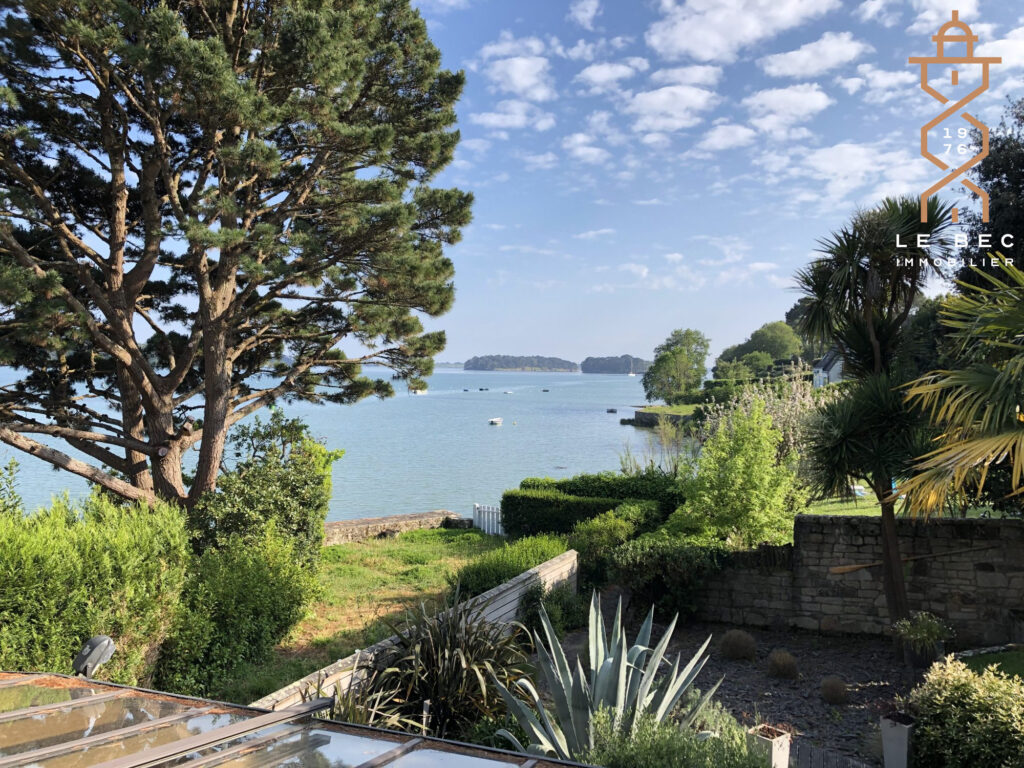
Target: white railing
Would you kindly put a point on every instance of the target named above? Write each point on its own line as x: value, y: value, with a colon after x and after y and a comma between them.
x: 487, y: 518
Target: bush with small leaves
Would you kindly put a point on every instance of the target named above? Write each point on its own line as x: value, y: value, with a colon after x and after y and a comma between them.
x: 783, y: 664
x: 738, y: 645
x: 834, y: 690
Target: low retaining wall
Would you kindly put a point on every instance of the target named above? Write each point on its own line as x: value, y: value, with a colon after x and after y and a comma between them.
x: 979, y: 592
x: 343, y: 531
x: 502, y: 606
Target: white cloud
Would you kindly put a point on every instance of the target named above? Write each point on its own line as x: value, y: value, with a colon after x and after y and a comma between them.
x: 932, y: 14
x: 829, y: 51
x: 726, y: 136
x: 514, y: 114
x: 639, y: 270
x: 540, y: 162
x: 732, y: 247
x: 881, y: 85
x: 475, y: 145
x: 1011, y: 48
x: 605, y: 76
x: 650, y: 201
x: 656, y: 140
x: 716, y: 30
x: 776, y: 111
x: 581, y: 146
x: 880, y: 11
x: 599, y: 123
x: 508, y: 44
x: 584, y: 12
x: 762, y: 266
x: 594, y: 234
x: 673, y: 257
x: 699, y: 74
x: 528, y: 77
x: 671, y: 108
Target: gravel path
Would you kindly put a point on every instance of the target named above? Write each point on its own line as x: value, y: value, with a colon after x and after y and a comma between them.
x: 868, y: 665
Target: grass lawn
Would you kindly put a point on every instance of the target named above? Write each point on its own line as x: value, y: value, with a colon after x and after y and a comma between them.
x: 364, y: 585
x: 1010, y: 662
x: 675, y: 410
x: 865, y: 505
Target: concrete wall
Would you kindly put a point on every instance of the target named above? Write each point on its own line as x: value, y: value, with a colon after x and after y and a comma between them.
x: 371, y: 527
x: 981, y: 593
x: 502, y: 605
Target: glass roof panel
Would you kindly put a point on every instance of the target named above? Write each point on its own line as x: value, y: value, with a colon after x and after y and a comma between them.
x: 315, y: 748
x: 32, y: 695
x: 76, y: 722
x: 435, y: 758
x: 156, y: 737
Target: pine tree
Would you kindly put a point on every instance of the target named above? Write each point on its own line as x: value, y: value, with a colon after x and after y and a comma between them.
x: 206, y: 205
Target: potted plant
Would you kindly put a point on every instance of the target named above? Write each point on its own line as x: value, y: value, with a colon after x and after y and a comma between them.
x: 923, y: 637
x: 897, y: 728
x: 771, y: 744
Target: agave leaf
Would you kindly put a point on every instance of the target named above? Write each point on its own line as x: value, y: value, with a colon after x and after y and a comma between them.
x: 509, y: 737
x: 653, y: 665
x: 561, y: 690
x: 582, y: 712
x: 525, y: 717
x: 596, y: 634
x: 557, y: 654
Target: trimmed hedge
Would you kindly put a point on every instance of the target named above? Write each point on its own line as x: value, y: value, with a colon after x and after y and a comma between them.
x: 499, y: 565
x: 99, y: 567
x: 529, y: 512
x: 651, y: 484
x: 595, y: 539
x: 665, y: 571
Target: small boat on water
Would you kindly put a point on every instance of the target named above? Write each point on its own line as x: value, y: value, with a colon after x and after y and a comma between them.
x: 417, y: 391
x: 631, y: 374
x: 545, y: 390
x: 613, y: 410
x: 495, y: 422
x: 483, y: 389
x: 508, y: 391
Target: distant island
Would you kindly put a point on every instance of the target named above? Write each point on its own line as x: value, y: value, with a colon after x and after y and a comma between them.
x: 447, y: 365
x: 514, y: 363
x: 622, y: 364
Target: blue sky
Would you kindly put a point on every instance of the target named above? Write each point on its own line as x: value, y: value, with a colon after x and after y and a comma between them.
x: 643, y: 166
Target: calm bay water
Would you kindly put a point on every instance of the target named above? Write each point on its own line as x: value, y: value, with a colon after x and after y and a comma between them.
x: 437, y: 451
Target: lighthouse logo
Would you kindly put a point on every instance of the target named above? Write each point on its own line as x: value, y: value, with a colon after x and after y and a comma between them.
x: 948, y: 126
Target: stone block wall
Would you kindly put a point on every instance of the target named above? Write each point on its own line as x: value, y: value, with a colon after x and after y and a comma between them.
x: 344, y: 531
x: 980, y: 592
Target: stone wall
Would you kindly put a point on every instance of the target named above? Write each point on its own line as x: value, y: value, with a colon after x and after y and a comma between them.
x: 980, y: 592
x: 500, y: 604
x: 344, y: 531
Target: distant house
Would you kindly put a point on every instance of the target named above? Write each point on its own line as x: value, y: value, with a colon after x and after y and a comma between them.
x: 829, y: 369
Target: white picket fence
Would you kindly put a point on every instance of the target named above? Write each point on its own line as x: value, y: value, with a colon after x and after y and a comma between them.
x: 487, y: 518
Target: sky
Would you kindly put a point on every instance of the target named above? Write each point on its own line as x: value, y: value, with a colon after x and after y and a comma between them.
x: 645, y: 165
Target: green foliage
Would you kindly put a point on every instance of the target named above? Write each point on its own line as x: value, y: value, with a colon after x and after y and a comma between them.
x: 594, y: 540
x: 625, y: 679
x: 966, y: 719
x: 499, y: 565
x: 282, y: 477
x: 646, y: 483
x: 257, y: 186
x: 783, y: 664
x: 720, y: 742
x: 528, y: 512
x: 513, y: 363
x: 665, y: 571
x: 740, y: 494
x: 678, y: 368
x: 10, y: 500
x: 240, y: 600
x: 69, y: 572
x: 566, y: 609
x: 772, y: 341
x: 621, y: 364
x: 922, y: 631
x: 453, y: 659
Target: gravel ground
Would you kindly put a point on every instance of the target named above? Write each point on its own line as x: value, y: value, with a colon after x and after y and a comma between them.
x: 868, y: 665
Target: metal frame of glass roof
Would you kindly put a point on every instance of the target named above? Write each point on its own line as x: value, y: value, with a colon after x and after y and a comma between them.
x: 255, y: 737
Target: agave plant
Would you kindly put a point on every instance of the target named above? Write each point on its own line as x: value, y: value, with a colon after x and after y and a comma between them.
x: 626, y: 680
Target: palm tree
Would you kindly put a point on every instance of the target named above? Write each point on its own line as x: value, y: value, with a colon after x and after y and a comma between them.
x: 859, y: 295
x: 977, y: 406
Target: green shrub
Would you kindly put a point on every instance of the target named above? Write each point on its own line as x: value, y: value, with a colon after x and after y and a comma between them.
x: 782, y: 663
x: 651, y: 484
x: 739, y: 493
x: 525, y: 513
x: 73, y: 571
x: 738, y: 645
x: 664, y: 570
x: 667, y: 745
x: 566, y: 609
x: 240, y: 600
x: 282, y: 476
x: 966, y: 719
x: 499, y: 565
x: 595, y: 540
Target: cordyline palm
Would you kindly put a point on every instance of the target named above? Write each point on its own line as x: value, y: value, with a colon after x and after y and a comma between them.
x: 977, y: 406
x: 859, y: 294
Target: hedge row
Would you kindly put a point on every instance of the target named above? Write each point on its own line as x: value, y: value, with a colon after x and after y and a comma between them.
x: 596, y: 539
x: 500, y: 565
x: 528, y: 512
x: 655, y: 485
